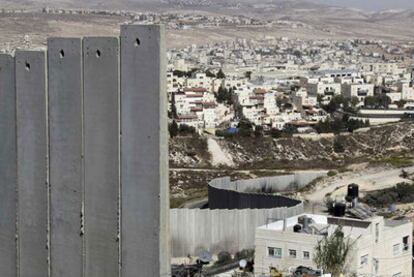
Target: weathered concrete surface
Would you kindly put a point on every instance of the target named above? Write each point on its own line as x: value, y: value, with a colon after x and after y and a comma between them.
x: 145, y: 207
x: 66, y: 174
x: 101, y: 161
x: 195, y: 230
x: 8, y: 167
x: 32, y: 163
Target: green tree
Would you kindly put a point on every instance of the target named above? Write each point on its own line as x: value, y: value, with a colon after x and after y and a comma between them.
x: 331, y: 252
x: 245, y: 128
x: 338, y: 145
x: 289, y: 130
x: 223, y: 258
x: 401, y: 103
x: 220, y: 74
x: 377, y: 101
x: 275, y: 133
x: 173, y: 129
x: 248, y: 74
x: 186, y: 129
x: 225, y: 95
x: 354, y: 101
x: 338, y: 101
x: 258, y: 131
x: 210, y: 74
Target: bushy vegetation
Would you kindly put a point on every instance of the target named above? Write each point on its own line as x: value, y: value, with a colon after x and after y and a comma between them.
x: 224, y: 95
x: 379, y: 101
x: 286, y: 132
x: 341, y: 102
x: 220, y: 74
x: 332, y: 173
x: 331, y: 253
x: 401, y: 193
x: 182, y: 130
x: 188, y: 74
x: 223, y: 258
x: 399, y: 161
x: 210, y: 74
x: 339, y: 125
x: 338, y: 144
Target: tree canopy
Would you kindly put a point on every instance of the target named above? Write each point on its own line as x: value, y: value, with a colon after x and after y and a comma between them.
x: 220, y: 74
x: 332, y: 251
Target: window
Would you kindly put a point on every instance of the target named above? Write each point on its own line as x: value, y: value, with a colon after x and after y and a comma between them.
x: 377, y: 232
x: 275, y: 252
x: 406, y: 246
x: 292, y: 253
x: 396, y: 249
x: 306, y: 255
x: 375, y: 265
x: 364, y: 260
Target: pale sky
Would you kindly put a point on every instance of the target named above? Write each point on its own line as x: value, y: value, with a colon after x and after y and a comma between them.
x: 371, y: 5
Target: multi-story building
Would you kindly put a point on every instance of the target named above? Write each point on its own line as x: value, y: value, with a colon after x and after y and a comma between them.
x: 407, y: 91
x: 379, y: 247
x: 325, y: 89
x: 359, y: 90
x: 378, y: 67
x: 200, y: 80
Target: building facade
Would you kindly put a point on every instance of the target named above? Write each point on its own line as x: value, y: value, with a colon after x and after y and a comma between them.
x: 380, y: 247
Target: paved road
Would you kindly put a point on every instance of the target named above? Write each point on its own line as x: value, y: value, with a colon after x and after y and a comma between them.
x: 368, y: 180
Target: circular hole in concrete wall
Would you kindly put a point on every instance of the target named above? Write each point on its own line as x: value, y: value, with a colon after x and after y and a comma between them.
x: 137, y: 42
x: 98, y: 53
x: 27, y: 66
x: 62, y: 54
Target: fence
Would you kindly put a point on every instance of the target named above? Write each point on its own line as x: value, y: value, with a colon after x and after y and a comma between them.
x: 76, y: 122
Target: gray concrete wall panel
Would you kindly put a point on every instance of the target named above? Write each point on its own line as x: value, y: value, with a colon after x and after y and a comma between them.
x: 194, y: 230
x: 144, y: 152
x: 8, y: 166
x: 32, y: 163
x: 66, y: 174
x: 101, y: 160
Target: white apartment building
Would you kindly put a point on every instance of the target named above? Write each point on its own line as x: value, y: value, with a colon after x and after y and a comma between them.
x: 301, y: 99
x: 209, y: 115
x: 190, y: 120
x: 326, y: 89
x: 200, y: 80
x: 258, y: 106
x: 174, y: 82
x: 391, y: 68
x: 359, y: 90
x: 280, y: 120
x: 269, y: 104
x: 407, y: 91
x: 380, y: 247
x: 189, y: 99
x: 233, y: 82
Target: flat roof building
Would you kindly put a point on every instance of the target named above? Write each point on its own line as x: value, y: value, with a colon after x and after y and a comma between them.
x: 380, y: 247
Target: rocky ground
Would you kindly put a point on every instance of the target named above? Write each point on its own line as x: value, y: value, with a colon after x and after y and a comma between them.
x: 374, y: 145
x: 192, y: 167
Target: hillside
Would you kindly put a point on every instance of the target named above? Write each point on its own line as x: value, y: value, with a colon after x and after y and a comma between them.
x: 373, y: 145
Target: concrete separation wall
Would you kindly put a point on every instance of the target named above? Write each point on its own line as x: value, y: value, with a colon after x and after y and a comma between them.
x: 8, y: 166
x: 63, y: 211
x: 144, y: 152
x: 236, y: 209
x: 194, y: 230
x: 66, y: 170
x: 32, y: 171
x: 101, y: 119
x: 281, y: 183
